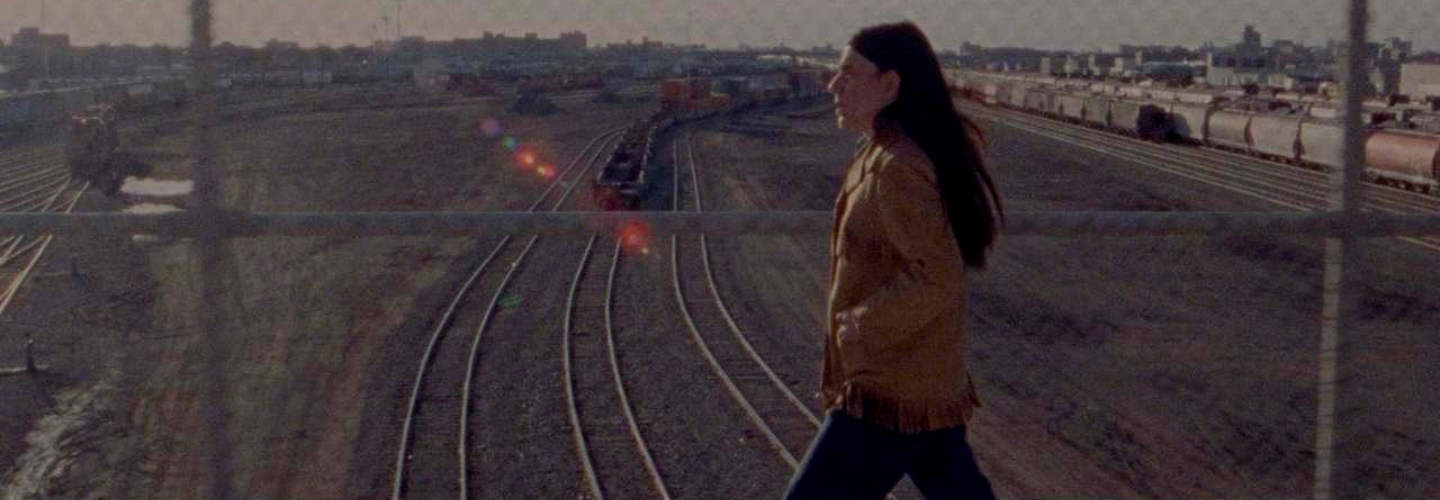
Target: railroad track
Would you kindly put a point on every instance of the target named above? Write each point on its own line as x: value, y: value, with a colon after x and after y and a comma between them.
x: 432, y: 459
x: 19, y: 254
x: 787, y: 424
x: 20, y: 158
x: 613, y: 453
x: 779, y: 415
x: 1287, y: 186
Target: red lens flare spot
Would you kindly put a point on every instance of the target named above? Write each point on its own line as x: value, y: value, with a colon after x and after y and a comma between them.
x: 635, y: 238
x: 527, y: 158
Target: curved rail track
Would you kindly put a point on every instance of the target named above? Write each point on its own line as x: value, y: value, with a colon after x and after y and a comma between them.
x: 785, y: 421
x: 440, y: 363
x: 607, y: 444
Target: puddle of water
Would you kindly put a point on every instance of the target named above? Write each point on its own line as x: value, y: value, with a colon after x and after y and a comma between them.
x: 152, y: 187
x: 151, y: 208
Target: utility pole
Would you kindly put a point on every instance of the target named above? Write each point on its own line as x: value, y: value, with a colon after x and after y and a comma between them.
x: 44, y: 47
x: 685, y: 56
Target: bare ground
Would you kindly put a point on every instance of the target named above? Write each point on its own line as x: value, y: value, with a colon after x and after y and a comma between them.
x: 1125, y: 368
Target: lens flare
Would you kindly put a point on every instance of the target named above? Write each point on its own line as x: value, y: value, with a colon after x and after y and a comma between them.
x: 635, y: 237
x: 527, y: 158
x: 490, y: 127
x: 510, y: 300
x: 511, y: 144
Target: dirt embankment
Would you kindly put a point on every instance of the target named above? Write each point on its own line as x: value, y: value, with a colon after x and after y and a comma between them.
x: 1109, y: 367
x: 307, y: 321
x: 1121, y: 367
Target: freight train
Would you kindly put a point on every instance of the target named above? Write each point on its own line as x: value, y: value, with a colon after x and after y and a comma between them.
x: 25, y: 112
x: 624, y: 181
x: 1299, y: 132
x: 91, y: 150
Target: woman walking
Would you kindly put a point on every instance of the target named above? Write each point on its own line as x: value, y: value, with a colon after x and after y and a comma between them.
x: 917, y: 209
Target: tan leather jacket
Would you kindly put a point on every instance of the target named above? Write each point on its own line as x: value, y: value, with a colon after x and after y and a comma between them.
x: 895, y: 267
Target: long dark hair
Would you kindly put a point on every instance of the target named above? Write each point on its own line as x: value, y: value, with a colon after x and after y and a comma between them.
x: 924, y: 112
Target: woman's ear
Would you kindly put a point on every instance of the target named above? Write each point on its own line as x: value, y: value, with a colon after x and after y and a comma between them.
x: 890, y: 81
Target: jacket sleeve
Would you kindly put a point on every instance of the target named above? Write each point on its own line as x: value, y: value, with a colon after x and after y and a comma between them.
x: 929, y: 277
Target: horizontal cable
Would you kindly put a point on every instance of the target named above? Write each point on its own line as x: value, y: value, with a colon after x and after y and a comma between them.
x: 1050, y: 223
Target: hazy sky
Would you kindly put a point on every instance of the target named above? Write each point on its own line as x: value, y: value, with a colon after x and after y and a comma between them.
x: 800, y: 23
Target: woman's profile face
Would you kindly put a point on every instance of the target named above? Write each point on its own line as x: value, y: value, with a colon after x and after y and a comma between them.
x: 861, y: 90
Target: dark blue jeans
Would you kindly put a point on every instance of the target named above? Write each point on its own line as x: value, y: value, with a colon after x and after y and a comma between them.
x: 854, y: 459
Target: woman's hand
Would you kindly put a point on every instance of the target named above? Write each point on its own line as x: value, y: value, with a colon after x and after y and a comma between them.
x: 847, y: 329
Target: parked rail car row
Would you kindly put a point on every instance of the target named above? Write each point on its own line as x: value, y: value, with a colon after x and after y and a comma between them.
x: 1298, y: 133
x: 26, y: 112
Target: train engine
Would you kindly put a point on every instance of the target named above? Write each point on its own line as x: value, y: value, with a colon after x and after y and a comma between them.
x: 91, y: 149
x: 621, y: 183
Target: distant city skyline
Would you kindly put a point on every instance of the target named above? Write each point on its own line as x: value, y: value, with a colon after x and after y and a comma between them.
x: 1078, y: 25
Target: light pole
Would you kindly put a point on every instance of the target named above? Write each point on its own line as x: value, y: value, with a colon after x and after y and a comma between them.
x: 44, y: 47
x: 690, y: 26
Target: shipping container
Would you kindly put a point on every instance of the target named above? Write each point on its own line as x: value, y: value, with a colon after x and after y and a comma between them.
x: 674, y: 91
x: 683, y: 89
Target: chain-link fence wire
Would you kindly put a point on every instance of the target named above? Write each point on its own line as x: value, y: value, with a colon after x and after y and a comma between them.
x: 1179, y: 367
x: 1392, y: 310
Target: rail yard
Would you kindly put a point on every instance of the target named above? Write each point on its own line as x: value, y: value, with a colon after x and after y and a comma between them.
x: 633, y: 366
